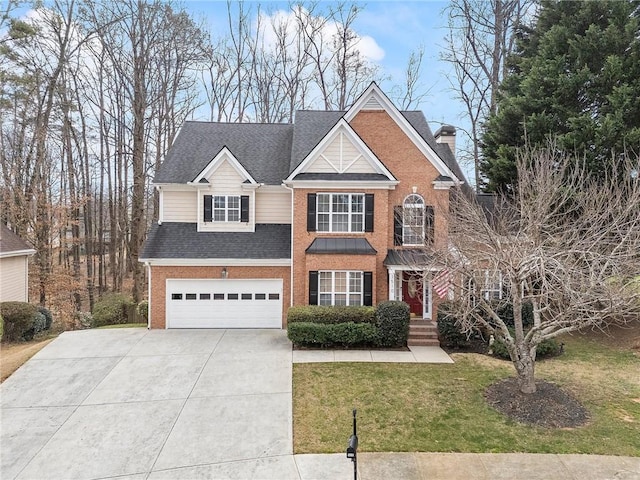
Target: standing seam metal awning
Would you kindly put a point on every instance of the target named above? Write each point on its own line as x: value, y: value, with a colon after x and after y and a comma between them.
x: 349, y: 246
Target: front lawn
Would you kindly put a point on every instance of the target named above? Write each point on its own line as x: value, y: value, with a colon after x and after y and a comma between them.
x: 441, y: 408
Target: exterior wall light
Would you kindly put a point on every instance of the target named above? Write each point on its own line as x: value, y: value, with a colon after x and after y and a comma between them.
x: 224, y: 273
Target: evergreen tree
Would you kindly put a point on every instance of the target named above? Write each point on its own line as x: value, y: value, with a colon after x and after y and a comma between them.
x: 574, y: 79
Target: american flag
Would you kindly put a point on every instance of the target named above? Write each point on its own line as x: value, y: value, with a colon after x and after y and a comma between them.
x: 441, y: 283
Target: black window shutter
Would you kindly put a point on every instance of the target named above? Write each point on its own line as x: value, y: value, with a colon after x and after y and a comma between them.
x: 313, y: 288
x: 397, y: 225
x: 208, y: 208
x: 429, y: 227
x: 368, y: 212
x: 368, y: 289
x: 311, y: 214
x: 244, y: 208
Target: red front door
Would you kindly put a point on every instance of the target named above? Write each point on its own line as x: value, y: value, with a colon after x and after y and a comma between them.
x: 412, y: 292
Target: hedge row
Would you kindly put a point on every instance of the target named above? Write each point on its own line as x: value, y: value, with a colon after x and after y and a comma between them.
x: 387, y: 325
x: 450, y: 335
x: 22, y: 321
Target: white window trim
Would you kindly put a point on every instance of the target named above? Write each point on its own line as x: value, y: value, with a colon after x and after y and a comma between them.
x: 226, y: 209
x: 406, y: 227
x: 348, y: 291
x: 331, y: 213
x: 488, y: 288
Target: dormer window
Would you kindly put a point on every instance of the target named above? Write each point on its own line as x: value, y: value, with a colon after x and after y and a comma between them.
x: 226, y: 208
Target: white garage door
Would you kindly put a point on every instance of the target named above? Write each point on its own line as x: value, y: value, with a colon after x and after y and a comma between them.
x: 196, y: 303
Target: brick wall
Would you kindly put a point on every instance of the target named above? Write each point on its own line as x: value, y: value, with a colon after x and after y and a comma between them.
x: 159, y: 276
x: 409, y: 166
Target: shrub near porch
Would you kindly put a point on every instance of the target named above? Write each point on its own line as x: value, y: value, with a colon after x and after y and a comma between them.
x: 386, y: 325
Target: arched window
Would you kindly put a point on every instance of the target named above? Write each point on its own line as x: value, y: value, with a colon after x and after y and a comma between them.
x: 413, y: 220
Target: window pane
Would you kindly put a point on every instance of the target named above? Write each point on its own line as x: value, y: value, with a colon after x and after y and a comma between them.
x: 357, y: 203
x: 355, y: 300
x: 261, y: 296
x: 340, y: 222
x: 205, y: 296
x: 322, y: 202
x: 246, y: 296
x: 325, y: 299
x: 340, y: 202
x: 233, y: 202
x: 340, y: 282
x: 219, y: 201
x: 176, y: 296
x: 323, y: 222
x: 232, y: 296
x: 357, y: 222
x: 218, y: 215
x: 355, y: 282
x: 340, y: 299
x: 274, y: 296
x: 190, y: 296
x: 325, y: 281
x: 234, y: 216
x: 218, y: 296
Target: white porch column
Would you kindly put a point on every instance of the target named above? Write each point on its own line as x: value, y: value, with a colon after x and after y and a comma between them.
x: 392, y: 284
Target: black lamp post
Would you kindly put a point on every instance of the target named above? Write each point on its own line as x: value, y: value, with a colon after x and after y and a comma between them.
x: 352, y: 448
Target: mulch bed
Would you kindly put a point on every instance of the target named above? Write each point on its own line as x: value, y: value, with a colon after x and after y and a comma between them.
x: 549, y: 406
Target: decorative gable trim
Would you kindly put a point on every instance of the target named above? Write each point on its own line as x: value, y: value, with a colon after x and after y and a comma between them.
x: 223, y: 155
x: 375, y: 96
x: 342, y: 130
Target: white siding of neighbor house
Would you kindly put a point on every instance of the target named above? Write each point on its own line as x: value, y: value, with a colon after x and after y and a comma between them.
x: 179, y: 206
x: 273, y: 206
x: 13, y: 279
x: 225, y: 180
x: 340, y: 156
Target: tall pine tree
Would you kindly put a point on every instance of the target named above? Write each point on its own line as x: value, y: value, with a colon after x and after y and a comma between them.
x: 575, y: 79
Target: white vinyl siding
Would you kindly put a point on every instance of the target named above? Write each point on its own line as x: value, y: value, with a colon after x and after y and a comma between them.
x: 273, y: 207
x: 179, y: 206
x: 13, y: 279
x: 225, y: 175
x: 340, y: 156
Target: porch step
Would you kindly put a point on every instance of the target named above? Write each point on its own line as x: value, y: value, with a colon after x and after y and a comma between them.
x: 423, y: 333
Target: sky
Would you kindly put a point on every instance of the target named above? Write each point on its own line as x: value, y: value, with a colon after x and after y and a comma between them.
x: 390, y: 31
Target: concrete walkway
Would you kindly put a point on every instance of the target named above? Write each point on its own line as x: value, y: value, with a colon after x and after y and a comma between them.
x: 414, y: 355
x: 187, y: 404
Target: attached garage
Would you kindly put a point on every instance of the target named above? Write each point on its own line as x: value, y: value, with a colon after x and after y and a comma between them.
x: 224, y: 303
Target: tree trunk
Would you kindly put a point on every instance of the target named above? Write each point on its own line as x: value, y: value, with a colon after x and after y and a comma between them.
x: 525, y: 367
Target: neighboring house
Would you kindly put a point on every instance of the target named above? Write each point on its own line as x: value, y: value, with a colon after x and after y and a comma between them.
x: 14, y: 266
x: 328, y: 210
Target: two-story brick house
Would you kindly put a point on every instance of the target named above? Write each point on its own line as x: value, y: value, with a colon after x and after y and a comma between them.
x: 257, y: 217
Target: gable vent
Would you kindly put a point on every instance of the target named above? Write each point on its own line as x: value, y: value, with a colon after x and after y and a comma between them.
x: 372, y: 104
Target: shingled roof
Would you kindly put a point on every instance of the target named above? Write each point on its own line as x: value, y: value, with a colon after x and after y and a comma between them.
x: 269, y: 241
x: 12, y: 244
x: 269, y: 152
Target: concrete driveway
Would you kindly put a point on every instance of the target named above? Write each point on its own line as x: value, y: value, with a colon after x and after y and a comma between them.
x: 138, y: 404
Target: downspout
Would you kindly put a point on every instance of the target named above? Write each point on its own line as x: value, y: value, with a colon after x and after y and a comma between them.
x: 291, y: 268
x: 148, y: 265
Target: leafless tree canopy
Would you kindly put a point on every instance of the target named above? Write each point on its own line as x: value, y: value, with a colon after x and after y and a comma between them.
x: 568, y: 244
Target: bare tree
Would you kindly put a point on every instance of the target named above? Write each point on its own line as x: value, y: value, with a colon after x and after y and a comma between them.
x: 568, y: 244
x: 412, y: 92
x: 481, y: 34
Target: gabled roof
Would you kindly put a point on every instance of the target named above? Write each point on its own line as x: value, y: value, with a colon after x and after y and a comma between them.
x: 224, y: 155
x: 342, y: 127
x: 12, y: 245
x: 263, y: 149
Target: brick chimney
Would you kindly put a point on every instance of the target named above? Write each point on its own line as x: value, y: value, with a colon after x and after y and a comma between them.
x: 447, y: 134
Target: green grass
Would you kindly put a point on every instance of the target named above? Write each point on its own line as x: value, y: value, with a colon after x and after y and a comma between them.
x: 124, y: 325
x: 441, y: 408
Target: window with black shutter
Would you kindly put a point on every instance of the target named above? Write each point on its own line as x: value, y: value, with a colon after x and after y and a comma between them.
x: 397, y: 225
x: 368, y: 288
x: 208, y: 208
x: 368, y: 212
x: 244, y: 208
x: 311, y: 212
x: 313, y: 288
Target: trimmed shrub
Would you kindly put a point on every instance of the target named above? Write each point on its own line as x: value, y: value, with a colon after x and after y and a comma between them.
x: 449, y: 332
x: 348, y: 334
x: 504, y: 310
x: 331, y: 314
x: 48, y: 317
x: 19, y: 318
x: 547, y: 348
x: 143, y: 309
x: 111, y: 310
x: 392, y: 320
